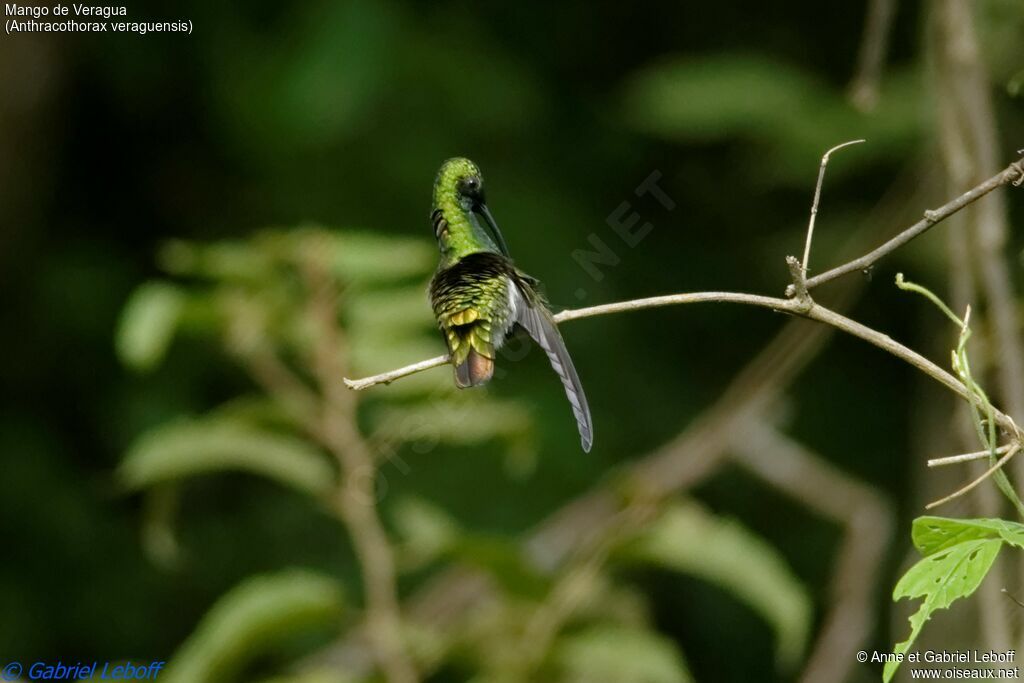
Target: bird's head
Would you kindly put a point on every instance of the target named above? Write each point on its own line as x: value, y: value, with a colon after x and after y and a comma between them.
x: 459, y: 203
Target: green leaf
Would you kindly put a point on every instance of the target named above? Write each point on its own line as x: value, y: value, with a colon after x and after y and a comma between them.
x: 791, y: 115
x: 941, y: 578
x: 190, y: 447
x: 250, y: 618
x: 258, y: 410
x: 458, y: 420
x: 687, y: 538
x: 225, y: 260
x: 431, y: 533
x: 159, y: 513
x: 619, y: 654
x: 720, y: 96
x: 382, y: 314
x: 369, y: 258
x: 932, y: 534
x: 462, y: 420
x: 148, y: 323
x: 321, y: 675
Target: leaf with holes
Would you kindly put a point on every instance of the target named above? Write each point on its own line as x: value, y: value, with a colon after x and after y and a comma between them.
x: 941, y: 578
x: 932, y: 534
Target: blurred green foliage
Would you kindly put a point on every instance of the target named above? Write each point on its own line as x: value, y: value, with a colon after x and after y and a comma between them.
x: 246, y: 623
x: 249, y: 295
x: 142, y: 172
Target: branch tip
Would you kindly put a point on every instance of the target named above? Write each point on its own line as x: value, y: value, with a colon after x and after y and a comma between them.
x: 817, y: 199
x: 1018, y: 166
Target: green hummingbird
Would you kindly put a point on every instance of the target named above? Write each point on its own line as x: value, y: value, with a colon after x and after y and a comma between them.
x: 480, y: 298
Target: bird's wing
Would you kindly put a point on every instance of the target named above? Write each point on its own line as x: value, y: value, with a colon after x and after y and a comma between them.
x: 532, y: 314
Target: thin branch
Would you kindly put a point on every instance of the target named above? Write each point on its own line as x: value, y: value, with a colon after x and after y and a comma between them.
x: 389, y: 377
x: 806, y: 309
x: 604, y: 309
x: 817, y: 198
x: 355, y: 499
x: 1010, y: 595
x: 886, y: 343
x: 873, y: 47
x: 966, y: 457
x: 1013, y: 173
x: 773, y: 303
x: 282, y: 384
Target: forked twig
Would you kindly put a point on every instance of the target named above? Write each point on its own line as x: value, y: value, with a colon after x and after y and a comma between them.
x: 966, y: 457
x: 1014, y: 448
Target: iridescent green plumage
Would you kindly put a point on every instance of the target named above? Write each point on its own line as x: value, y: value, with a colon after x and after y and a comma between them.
x: 480, y: 297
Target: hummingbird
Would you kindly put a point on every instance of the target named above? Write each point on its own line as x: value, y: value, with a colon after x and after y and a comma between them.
x: 479, y: 296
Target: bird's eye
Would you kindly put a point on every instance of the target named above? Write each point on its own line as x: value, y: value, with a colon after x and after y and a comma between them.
x: 470, y: 186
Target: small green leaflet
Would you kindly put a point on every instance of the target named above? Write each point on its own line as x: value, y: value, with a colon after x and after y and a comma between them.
x: 247, y: 621
x: 957, y: 554
x: 148, y: 323
x: 611, y: 653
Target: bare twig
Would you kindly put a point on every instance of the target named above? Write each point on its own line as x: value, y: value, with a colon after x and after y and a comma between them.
x: 817, y: 198
x: 966, y: 457
x: 988, y: 473
x: 389, y: 377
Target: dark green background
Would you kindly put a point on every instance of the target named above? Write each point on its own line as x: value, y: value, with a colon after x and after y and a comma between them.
x: 339, y: 113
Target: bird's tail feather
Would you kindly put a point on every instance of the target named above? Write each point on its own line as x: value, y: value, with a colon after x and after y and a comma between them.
x: 475, y: 369
x: 539, y: 324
